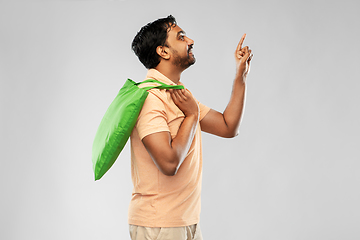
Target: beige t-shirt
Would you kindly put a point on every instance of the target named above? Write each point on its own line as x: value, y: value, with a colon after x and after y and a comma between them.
x: 159, y: 200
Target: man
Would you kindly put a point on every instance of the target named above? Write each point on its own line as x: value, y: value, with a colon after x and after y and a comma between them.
x: 166, y: 157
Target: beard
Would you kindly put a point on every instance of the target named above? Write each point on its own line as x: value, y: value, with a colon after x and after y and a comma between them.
x: 183, y: 62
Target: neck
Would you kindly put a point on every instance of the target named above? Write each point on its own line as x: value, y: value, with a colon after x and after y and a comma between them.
x: 170, y: 71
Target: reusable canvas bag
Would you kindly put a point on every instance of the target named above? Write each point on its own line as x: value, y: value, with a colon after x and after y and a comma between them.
x: 118, y: 122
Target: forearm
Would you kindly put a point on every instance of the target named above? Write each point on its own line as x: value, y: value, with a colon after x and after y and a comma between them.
x: 168, y: 154
x: 180, y: 145
x: 227, y: 124
x: 234, y: 110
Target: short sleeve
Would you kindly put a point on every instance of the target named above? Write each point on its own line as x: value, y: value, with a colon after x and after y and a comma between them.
x: 203, y: 110
x: 152, y: 117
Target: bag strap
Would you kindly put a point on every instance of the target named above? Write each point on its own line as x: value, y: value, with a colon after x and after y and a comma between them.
x: 162, y: 85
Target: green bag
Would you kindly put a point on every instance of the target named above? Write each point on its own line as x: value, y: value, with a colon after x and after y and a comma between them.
x: 118, y: 122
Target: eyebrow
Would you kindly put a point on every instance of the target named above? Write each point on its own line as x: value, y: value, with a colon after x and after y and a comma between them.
x: 180, y: 32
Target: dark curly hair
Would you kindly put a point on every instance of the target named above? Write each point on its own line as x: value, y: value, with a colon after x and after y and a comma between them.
x: 149, y: 37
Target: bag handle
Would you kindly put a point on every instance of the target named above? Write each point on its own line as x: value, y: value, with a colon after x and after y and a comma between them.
x: 162, y: 85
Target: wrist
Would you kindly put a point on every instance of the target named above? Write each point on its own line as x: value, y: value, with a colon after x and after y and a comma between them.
x: 240, y: 78
x: 193, y: 116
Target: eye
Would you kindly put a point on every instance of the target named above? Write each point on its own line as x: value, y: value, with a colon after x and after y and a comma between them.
x: 182, y: 37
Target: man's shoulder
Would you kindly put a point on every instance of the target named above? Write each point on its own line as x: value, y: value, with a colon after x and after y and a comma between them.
x: 157, y: 95
x: 156, y: 99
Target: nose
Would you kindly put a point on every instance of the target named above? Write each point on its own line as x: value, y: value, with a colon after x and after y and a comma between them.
x: 189, y: 41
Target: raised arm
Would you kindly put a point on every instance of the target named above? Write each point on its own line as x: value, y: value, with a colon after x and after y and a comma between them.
x: 168, y: 154
x: 227, y: 124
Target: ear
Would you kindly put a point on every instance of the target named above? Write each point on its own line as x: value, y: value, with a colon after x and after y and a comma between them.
x: 163, y: 52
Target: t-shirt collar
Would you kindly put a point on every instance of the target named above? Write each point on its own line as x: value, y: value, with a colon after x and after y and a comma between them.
x: 155, y: 74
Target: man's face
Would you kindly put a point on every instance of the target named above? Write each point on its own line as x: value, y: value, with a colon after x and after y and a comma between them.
x: 180, y: 47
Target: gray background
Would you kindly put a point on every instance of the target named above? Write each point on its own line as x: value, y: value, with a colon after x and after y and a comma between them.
x: 292, y: 173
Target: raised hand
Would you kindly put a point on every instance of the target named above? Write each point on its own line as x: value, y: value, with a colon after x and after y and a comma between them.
x: 243, y: 57
x: 185, y: 101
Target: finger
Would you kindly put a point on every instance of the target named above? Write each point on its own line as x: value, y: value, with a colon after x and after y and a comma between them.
x: 245, y: 49
x: 182, y: 94
x: 250, y: 57
x: 246, y: 57
x: 173, y: 96
x: 246, y: 53
x: 178, y: 97
x: 239, y: 47
x: 241, y: 53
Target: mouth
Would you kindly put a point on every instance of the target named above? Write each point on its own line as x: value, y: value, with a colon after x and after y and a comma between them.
x: 190, y: 51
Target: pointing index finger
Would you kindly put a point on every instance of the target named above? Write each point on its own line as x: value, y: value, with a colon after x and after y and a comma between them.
x: 241, y: 42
